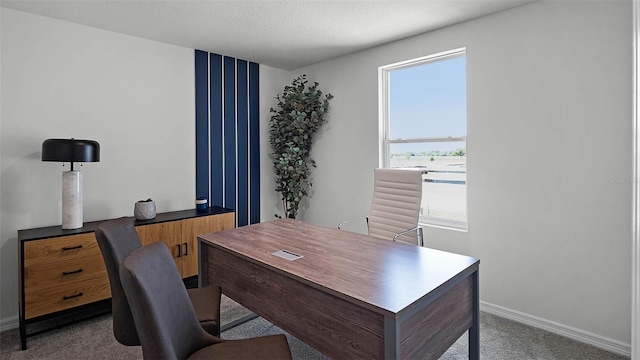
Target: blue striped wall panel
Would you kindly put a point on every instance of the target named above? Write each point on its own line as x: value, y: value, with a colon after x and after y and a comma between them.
x: 242, y: 116
x: 254, y: 143
x: 230, y: 166
x: 215, y: 136
x: 227, y: 134
x: 202, y: 123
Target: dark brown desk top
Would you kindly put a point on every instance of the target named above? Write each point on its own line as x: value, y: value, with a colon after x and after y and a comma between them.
x: 384, y: 276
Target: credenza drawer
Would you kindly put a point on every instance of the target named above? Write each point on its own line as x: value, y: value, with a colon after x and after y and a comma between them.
x: 66, y: 296
x: 45, y: 275
x: 60, y: 249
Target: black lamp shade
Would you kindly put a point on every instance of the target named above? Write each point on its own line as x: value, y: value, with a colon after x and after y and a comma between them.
x: 70, y: 150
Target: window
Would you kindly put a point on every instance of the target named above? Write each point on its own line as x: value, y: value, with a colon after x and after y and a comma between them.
x: 423, y: 123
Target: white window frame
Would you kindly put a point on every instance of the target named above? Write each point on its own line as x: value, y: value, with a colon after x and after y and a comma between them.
x: 384, y: 131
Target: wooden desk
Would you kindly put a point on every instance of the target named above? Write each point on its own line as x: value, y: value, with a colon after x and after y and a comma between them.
x: 350, y: 296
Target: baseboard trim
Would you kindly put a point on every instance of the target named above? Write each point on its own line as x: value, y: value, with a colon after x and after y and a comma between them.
x: 9, y: 323
x: 598, y: 341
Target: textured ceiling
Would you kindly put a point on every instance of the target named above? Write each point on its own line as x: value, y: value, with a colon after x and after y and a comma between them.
x: 282, y: 34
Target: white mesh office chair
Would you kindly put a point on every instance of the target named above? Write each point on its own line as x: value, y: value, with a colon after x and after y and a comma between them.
x: 395, y: 207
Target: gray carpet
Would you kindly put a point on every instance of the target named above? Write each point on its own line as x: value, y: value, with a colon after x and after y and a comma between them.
x: 499, y: 339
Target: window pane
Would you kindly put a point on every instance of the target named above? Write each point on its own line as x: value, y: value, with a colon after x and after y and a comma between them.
x: 444, y: 176
x: 429, y: 100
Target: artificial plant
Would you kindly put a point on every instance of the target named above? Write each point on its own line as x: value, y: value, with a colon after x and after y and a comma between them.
x: 300, y: 112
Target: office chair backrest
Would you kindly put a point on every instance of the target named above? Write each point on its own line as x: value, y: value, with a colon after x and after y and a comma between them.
x: 167, y: 324
x: 395, y: 206
x: 117, y: 239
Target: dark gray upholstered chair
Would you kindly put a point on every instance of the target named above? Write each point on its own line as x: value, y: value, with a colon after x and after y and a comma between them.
x: 117, y: 239
x: 166, y: 322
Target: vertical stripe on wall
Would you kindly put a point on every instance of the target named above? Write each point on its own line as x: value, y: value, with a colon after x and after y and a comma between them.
x: 242, y: 112
x: 230, y: 133
x: 227, y: 134
x: 202, y: 123
x: 216, y: 130
x: 254, y: 144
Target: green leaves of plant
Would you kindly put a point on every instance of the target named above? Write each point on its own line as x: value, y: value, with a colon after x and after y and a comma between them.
x: 299, y: 114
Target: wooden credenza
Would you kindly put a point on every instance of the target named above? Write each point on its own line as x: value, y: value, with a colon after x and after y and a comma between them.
x: 62, y: 272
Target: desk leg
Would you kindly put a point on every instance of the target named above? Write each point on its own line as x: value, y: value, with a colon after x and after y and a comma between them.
x: 200, y: 269
x: 474, y: 330
x: 23, y: 335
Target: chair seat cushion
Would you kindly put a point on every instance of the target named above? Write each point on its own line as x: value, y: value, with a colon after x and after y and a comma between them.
x: 206, y: 303
x: 265, y: 347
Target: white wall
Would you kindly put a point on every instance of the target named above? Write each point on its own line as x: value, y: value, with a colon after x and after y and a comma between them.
x: 134, y: 96
x: 549, y: 140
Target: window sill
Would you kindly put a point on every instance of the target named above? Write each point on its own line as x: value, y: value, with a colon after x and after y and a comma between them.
x: 444, y: 224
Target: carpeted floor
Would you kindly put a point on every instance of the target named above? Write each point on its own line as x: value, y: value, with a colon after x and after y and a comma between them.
x: 500, y: 339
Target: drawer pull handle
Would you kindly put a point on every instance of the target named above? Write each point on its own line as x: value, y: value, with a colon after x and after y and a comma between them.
x: 179, y: 248
x: 72, y: 296
x: 186, y: 249
x: 72, y: 247
x: 71, y: 272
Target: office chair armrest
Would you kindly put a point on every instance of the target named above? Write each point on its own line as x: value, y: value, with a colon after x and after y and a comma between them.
x: 350, y: 220
x: 418, y: 231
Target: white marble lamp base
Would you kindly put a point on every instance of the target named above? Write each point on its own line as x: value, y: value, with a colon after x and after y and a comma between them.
x: 71, y: 199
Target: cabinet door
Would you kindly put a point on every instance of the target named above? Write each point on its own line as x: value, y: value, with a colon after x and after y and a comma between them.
x: 193, y: 227
x: 166, y: 232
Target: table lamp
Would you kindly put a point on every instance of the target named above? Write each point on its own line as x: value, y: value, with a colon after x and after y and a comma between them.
x: 71, y: 150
